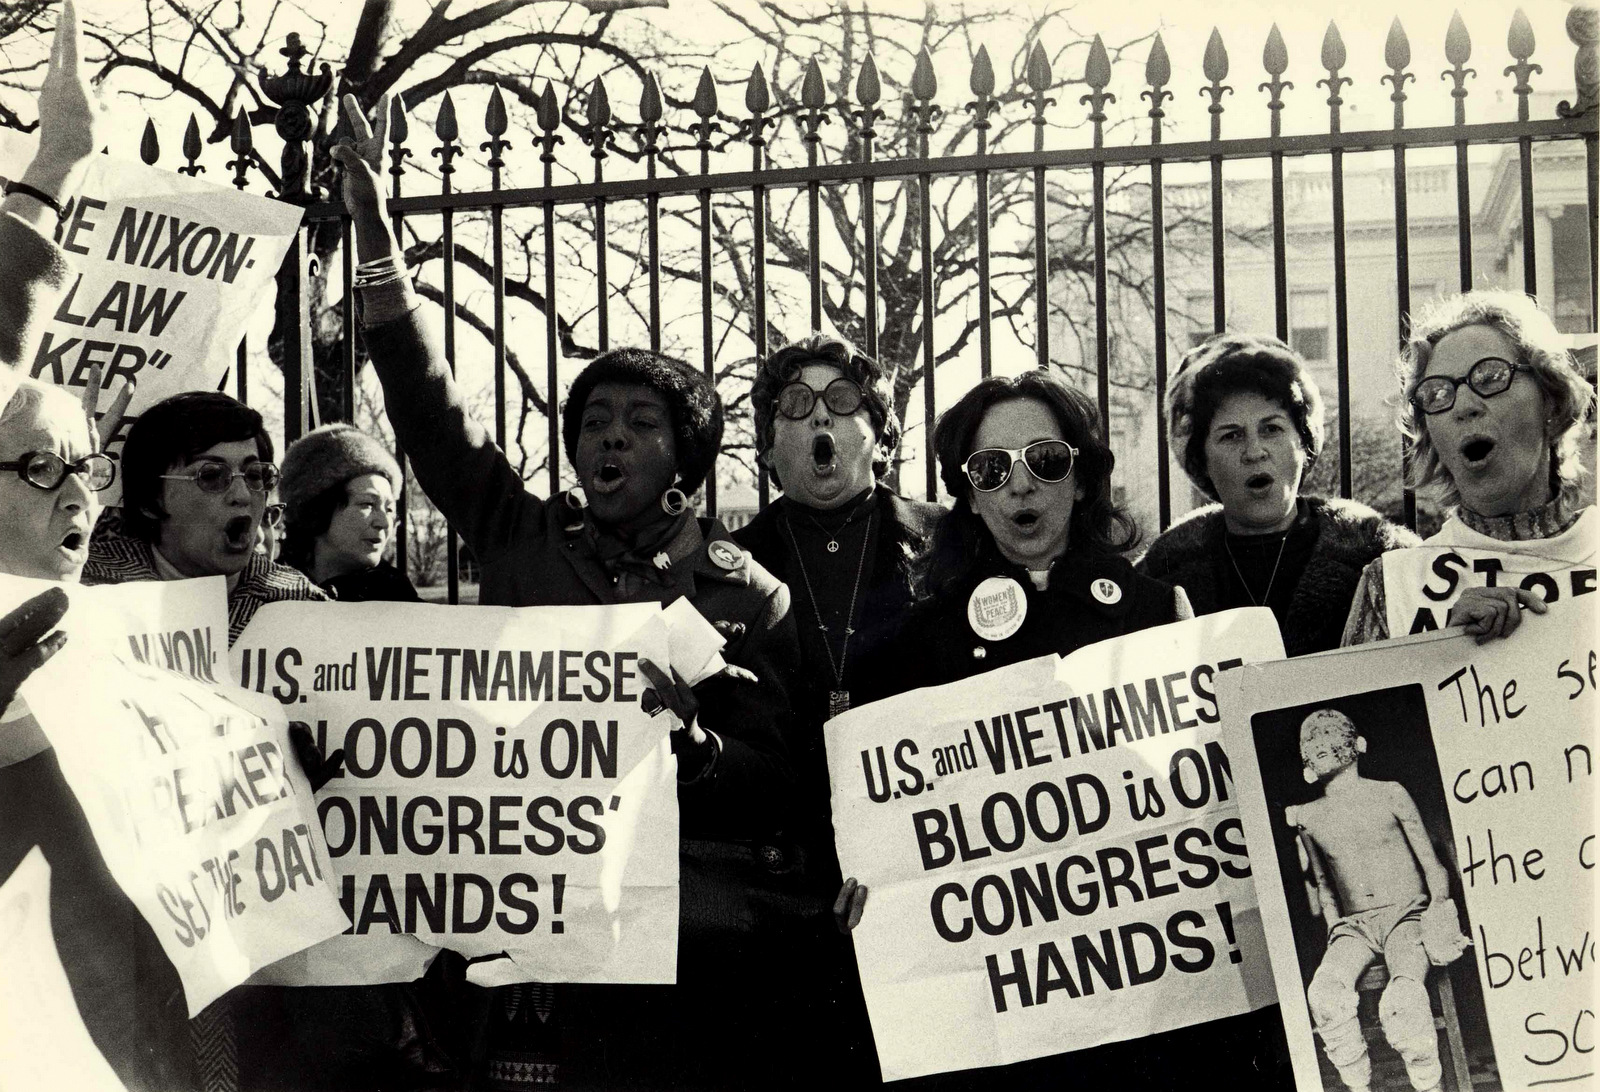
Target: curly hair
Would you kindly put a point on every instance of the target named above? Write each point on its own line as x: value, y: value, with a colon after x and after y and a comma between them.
x: 691, y: 398
x: 784, y: 367
x: 1229, y: 364
x: 1539, y: 346
x: 1097, y: 526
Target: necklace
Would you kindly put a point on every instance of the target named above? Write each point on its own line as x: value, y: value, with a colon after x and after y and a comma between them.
x: 832, y: 545
x: 1254, y: 602
x: 838, y: 697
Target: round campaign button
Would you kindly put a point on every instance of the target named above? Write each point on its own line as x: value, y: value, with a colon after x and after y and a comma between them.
x: 725, y: 555
x: 1107, y: 591
x: 997, y: 608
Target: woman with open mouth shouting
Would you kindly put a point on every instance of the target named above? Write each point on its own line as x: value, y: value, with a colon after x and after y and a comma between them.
x: 641, y: 432
x: 1029, y: 560
x: 1494, y: 409
x: 1245, y: 416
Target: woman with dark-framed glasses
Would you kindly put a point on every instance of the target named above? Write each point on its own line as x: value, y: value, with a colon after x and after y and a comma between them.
x: 196, y: 473
x: 1029, y: 560
x: 1494, y: 409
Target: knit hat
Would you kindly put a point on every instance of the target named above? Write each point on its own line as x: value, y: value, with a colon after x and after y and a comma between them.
x: 327, y: 457
x: 694, y: 403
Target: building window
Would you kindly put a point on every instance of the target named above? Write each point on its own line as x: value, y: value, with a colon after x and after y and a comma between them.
x: 1309, y: 333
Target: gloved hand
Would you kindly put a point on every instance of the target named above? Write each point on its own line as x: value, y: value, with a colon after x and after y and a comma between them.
x: 319, y: 768
x: 23, y: 645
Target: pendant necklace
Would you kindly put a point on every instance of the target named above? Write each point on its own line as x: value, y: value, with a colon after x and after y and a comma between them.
x: 838, y: 696
x: 832, y: 545
x: 1254, y: 602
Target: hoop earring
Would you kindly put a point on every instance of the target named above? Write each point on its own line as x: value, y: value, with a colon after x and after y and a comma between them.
x: 575, y: 499
x: 674, y: 501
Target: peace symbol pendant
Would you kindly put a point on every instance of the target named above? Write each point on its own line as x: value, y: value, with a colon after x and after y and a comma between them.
x: 838, y: 702
x: 833, y: 547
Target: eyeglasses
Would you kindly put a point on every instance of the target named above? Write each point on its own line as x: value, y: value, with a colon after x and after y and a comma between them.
x: 218, y: 477
x: 1487, y: 378
x: 47, y: 470
x: 272, y: 516
x: 842, y: 396
x: 1048, y: 461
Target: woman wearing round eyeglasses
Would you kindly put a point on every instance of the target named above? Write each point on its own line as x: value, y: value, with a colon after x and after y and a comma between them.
x: 1029, y: 560
x: 1494, y: 408
x: 1245, y: 417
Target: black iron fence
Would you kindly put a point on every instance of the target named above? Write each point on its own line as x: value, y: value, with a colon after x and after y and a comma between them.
x: 297, y: 92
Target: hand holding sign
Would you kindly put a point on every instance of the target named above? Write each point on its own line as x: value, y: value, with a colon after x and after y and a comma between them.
x: 1493, y: 612
x: 23, y: 645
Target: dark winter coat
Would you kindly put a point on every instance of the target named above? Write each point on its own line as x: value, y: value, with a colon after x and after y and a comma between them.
x: 903, y: 530
x: 383, y: 583
x: 938, y: 645
x: 1349, y: 535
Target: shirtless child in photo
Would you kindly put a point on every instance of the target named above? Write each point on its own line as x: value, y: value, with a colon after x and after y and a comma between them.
x: 1381, y: 888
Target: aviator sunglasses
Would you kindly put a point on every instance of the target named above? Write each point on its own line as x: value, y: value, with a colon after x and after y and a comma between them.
x: 1048, y: 461
x: 47, y: 470
x: 218, y: 477
x: 1487, y: 378
x: 842, y: 396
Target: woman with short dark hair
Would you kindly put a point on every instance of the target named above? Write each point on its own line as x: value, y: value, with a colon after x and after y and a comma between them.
x: 1246, y: 418
x: 338, y: 489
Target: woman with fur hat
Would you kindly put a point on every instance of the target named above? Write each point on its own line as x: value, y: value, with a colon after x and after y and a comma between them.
x: 1245, y: 416
x: 338, y: 489
x: 641, y: 432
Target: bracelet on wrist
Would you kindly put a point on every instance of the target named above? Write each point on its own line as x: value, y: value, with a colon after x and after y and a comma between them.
x: 38, y: 195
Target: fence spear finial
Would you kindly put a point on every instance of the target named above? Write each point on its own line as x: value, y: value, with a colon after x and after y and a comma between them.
x: 1157, y: 71
x: 1520, y: 43
x: 1097, y: 73
x: 1458, y: 50
x: 446, y: 129
x: 1333, y: 58
x: 1215, y: 67
x: 191, y: 148
x: 1397, y: 54
x: 868, y: 90
x: 149, y: 146
x: 813, y: 101
x: 981, y: 84
x: 1039, y: 79
x: 242, y: 142
x: 924, y: 85
x: 1275, y: 59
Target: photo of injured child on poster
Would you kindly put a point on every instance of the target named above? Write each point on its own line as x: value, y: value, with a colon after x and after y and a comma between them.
x: 1427, y: 896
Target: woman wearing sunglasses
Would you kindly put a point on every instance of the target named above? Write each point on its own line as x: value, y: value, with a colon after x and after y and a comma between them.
x: 1245, y: 417
x: 1495, y: 410
x: 1029, y: 560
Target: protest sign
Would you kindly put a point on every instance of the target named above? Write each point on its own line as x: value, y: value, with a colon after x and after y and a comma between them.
x: 1421, y: 584
x: 181, y: 625
x: 504, y: 790
x: 43, y: 1041
x: 1053, y: 850
x: 170, y: 269
x: 197, y: 806
x: 1377, y: 782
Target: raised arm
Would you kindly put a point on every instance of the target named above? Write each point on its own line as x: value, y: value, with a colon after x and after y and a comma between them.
x: 1327, y: 899
x: 1410, y: 820
x: 35, y: 272
x: 466, y: 476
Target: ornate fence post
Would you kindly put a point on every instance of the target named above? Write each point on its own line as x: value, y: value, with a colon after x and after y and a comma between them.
x: 293, y: 93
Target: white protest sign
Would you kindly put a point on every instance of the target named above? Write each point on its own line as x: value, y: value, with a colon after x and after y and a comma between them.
x: 170, y: 270
x: 43, y: 1041
x: 504, y: 790
x: 198, y: 808
x: 1422, y: 583
x: 1053, y: 850
x: 1469, y: 765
